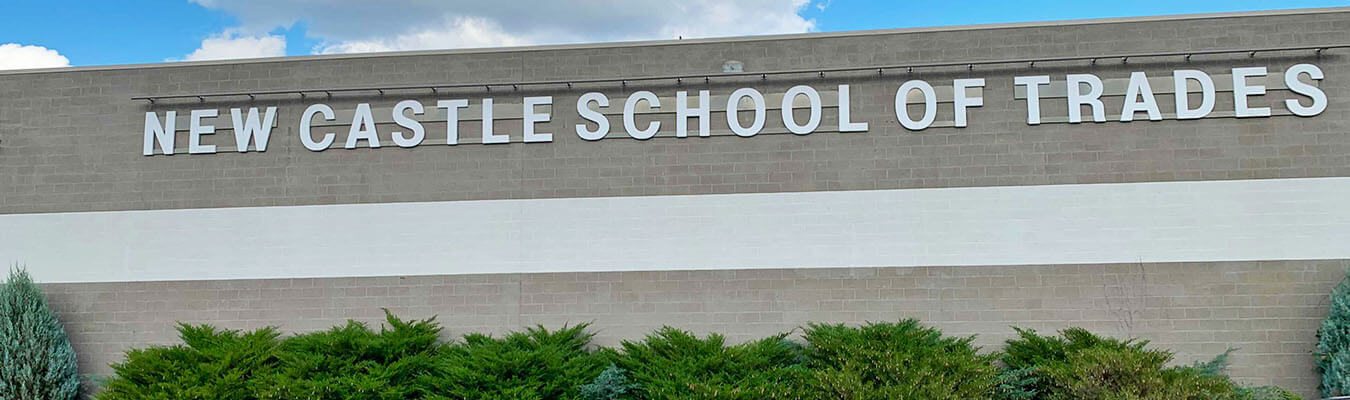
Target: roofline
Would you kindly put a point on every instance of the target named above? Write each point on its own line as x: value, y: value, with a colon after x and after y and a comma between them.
x: 672, y: 42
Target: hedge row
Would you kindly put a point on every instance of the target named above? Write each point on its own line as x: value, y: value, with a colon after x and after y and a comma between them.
x: 904, y: 360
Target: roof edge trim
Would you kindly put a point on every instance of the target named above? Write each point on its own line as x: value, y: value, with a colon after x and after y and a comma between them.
x: 675, y: 42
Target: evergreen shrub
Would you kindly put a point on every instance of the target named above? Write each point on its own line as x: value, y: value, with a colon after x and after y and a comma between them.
x: 676, y: 364
x: 211, y: 364
x: 1080, y: 365
x: 353, y: 362
x: 1333, y: 344
x: 612, y: 384
x: 905, y: 360
x: 1219, y: 364
x: 36, y: 359
x: 900, y: 361
x: 1109, y: 374
x: 535, y: 364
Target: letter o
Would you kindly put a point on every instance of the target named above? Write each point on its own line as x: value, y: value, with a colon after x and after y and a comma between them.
x: 929, y: 104
x: 813, y: 98
x: 733, y: 114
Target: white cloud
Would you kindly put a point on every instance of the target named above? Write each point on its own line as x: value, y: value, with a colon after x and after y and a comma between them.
x: 17, y: 56
x: 230, y: 46
x: 456, y: 32
x: 345, y: 26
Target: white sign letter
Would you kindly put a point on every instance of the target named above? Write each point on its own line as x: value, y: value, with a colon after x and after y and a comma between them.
x: 1319, y: 98
x: 363, y: 127
x: 246, y: 128
x: 1182, y: 93
x: 418, y: 132
x: 306, y: 137
x: 452, y: 118
x: 1033, y: 84
x: 733, y: 112
x: 813, y: 101
x: 196, y: 129
x: 488, y: 136
x: 1139, y: 87
x: 1078, y: 99
x: 683, y: 112
x: 929, y: 105
x: 1241, y: 92
x: 601, y: 122
x: 628, y: 119
x: 154, y: 132
x: 962, y: 102
x: 846, y: 123
x: 530, y: 118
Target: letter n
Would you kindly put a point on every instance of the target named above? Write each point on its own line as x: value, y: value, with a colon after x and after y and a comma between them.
x: 155, y: 132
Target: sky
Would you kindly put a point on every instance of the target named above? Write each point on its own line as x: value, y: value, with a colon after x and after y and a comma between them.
x: 59, y: 33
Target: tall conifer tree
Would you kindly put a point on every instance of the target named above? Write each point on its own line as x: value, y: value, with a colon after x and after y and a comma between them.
x: 36, y: 360
x: 1333, y: 344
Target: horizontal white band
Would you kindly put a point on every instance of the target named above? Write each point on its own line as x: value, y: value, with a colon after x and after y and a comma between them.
x: 1279, y: 219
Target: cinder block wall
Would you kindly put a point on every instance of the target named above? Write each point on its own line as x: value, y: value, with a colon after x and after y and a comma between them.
x: 1270, y: 311
x: 70, y: 141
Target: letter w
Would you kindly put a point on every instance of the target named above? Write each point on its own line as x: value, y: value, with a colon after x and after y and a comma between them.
x: 249, y: 128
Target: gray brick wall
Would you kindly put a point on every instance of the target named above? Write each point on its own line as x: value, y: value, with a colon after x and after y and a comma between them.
x: 1270, y: 310
x: 72, y: 140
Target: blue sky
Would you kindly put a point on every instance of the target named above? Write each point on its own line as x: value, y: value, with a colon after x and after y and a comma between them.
x: 88, y: 32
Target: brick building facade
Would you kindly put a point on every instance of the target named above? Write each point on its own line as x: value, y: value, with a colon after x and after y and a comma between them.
x: 1199, y: 235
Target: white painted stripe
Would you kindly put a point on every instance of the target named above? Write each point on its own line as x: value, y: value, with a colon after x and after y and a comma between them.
x: 1280, y: 219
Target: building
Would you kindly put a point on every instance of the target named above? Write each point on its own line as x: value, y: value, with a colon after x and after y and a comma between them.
x: 1222, y: 223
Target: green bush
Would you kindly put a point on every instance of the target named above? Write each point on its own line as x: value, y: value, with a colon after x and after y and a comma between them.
x: 211, y: 364
x: 353, y: 362
x: 1080, y: 365
x: 408, y: 360
x: 36, y: 360
x: 1037, y: 356
x: 1333, y: 344
x: 904, y: 360
x: 1112, y: 373
x: 675, y: 364
x: 1016, y: 384
x: 535, y: 364
x: 1266, y: 393
x: 612, y: 384
x: 1216, y: 367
